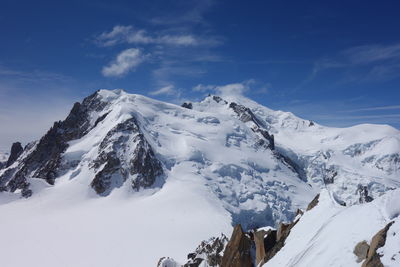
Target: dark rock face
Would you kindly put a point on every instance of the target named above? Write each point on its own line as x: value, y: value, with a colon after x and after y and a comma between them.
x: 330, y: 174
x: 119, y: 159
x: 16, y: 151
x: 244, y: 113
x: 237, y: 251
x: 44, y: 160
x: 363, y: 192
x: 187, y: 105
x: 313, y: 203
x: 361, y: 251
x: 218, y: 99
x: 209, y: 251
x: 378, y: 241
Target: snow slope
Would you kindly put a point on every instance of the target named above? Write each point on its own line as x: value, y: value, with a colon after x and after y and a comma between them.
x: 339, y: 159
x: 327, y: 234
x: 217, y: 169
x: 215, y: 175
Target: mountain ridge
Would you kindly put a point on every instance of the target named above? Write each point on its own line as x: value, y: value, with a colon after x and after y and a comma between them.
x: 226, y: 158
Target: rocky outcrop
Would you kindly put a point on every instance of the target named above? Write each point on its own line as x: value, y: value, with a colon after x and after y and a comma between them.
x: 237, y: 251
x: 259, y: 237
x: 209, y: 251
x: 313, y: 203
x: 187, y: 105
x: 378, y: 241
x: 124, y: 153
x: 16, y: 151
x: 361, y: 251
x: 363, y: 193
x: 44, y: 160
x: 167, y: 262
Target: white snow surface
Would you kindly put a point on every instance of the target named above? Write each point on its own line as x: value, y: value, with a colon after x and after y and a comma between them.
x: 327, y: 234
x: 215, y: 176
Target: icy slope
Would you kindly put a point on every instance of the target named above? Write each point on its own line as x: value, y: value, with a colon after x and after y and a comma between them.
x: 328, y: 234
x: 124, y: 172
x: 351, y: 162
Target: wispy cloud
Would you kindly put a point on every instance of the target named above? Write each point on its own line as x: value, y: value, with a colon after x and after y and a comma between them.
x: 372, y: 53
x: 130, y: 35
x: 394, y: 107
x: 166, y: 90
x: 240, y: 88
x: 32, y: 75
x: 125, y: 61
x: 363, y: 63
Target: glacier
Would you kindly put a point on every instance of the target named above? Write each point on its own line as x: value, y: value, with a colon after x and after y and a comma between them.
x: 125, y: 172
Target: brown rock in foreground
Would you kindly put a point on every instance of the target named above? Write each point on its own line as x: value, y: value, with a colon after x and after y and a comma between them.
x: 313, y: 203
x: 259, y: 243
x: 379, y: 239
x: 361, y: 250
x: 237, y: 252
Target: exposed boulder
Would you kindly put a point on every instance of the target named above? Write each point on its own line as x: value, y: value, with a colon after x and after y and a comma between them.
x: 313, y: 203
x: 16, y: 151
x: 237, y: 251
x: 378, y: 241
x: 361, y: 250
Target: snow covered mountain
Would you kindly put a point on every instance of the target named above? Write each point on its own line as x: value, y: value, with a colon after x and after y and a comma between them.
x: 124, y: 171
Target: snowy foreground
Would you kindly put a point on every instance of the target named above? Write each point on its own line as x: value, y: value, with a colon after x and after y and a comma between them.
x: 328, y: 234
x: 215, y: 165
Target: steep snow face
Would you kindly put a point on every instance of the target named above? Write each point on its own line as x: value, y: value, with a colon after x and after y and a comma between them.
x: 350, y: 162
x: 204, y: 171
x: 173, y: 176
x: 328, y: 234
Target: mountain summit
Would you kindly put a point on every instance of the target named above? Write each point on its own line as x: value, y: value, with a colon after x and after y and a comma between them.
x: 183, y: 173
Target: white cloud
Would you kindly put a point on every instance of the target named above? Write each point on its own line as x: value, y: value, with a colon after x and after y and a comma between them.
x: 128, y: 34
x: 232, y: 89
x: 363, y: 63
x: 203, y: 88
x: 166, y: 90
x: 375, y: 108
x: 125, y: 61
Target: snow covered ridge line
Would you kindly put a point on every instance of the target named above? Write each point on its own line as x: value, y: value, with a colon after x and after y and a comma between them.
x: 258, y: 162
x: 123, y: 153
x: 324, y: 235
x: 130, y: 163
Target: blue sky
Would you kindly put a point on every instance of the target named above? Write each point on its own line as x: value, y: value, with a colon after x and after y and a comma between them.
x: 335, y: 62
